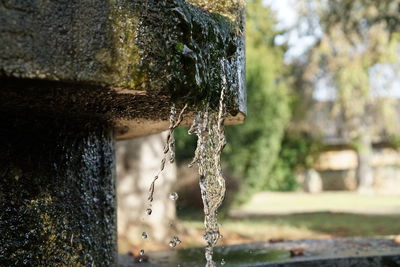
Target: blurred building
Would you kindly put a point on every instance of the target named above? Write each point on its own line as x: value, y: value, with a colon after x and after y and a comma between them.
x: 337, y: 165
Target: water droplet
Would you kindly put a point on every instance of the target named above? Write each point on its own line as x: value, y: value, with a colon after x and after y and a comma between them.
x: 222, y: 262
x: 141, y: 252
x: 172, y: 158
x: 145, y: 235
x: 177, y: 240
x: 173, y: 196
x: 149, y: 211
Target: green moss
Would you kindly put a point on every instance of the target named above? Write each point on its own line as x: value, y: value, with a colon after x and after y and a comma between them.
x: 125, y: 53
x: 179, y: 47
x: 227, y: 8
x: 170, y: 48
x: 187, y: 62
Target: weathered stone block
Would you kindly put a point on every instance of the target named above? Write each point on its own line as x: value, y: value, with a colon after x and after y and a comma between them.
x: 154, y: 52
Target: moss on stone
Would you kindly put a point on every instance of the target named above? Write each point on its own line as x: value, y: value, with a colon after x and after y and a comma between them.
x: 227, y: 8
x: 129, y: 44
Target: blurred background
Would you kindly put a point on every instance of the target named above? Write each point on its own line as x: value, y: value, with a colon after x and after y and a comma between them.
x: 319, y: 153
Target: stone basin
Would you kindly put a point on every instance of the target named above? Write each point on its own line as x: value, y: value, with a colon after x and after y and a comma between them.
x: 341, y: 252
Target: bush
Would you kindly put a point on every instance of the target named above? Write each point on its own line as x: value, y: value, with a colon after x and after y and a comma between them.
x: 299, y: 151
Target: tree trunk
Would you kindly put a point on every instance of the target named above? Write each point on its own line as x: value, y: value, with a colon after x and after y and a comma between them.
x: 365, y: 175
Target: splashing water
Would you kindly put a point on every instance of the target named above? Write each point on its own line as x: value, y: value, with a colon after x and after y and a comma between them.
x: 149, y: 211
x: 173, y: 196
x: 145, y: 235
x: 169, y: 146
x: 174, y: 242
x: 209, y: 128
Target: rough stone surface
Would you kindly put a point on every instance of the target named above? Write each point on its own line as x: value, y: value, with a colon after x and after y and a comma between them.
x: 160, y: 48
x: 57, y: 195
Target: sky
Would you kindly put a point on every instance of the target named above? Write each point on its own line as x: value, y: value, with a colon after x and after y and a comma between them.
x: 287, y: 19
x: 385, y: 81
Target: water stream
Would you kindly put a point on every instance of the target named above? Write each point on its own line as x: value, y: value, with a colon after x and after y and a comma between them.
x: 208, y: 126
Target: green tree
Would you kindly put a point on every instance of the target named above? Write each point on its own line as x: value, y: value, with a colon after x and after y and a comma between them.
x: 253, y: 147
x: 357, y: 35
x: 355, y: 14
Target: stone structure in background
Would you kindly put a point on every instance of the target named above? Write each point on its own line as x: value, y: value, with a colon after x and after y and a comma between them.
x: 337, y: 165
x: 337, y: 169
x: 138, y: 160
x: 74, y: 77
x: 312, y: 181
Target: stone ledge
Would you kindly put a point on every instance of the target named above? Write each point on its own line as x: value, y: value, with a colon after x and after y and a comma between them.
x: 133, y: 115
x: 140, y: 54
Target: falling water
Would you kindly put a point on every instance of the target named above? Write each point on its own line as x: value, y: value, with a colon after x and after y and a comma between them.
x: 209, y: 128
x: 169, y: 147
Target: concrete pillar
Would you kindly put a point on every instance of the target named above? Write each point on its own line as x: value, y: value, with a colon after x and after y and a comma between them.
x: 57, y: 191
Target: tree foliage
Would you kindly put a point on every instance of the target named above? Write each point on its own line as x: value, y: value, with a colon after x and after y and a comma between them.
x: 357, y: 36
x: 356, y: 15
x: 253, y: 147
x: 299, y: 151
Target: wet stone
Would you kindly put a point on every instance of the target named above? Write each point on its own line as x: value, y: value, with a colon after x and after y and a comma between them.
x: 168, y: 48
x: 107, y: 68
x: 61, y: 210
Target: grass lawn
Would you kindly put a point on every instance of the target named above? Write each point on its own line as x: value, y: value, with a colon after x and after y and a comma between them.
x: 303, y: 216
x: 300, y: 226
x: 347, y: 202
x: 293, y: 216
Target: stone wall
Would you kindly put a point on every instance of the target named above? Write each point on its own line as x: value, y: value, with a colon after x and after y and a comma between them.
x: 337, y: 170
